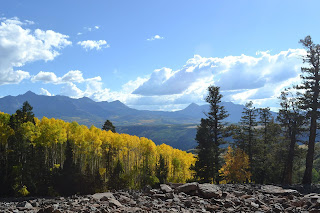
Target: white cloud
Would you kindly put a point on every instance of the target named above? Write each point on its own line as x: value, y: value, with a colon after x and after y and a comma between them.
x: 91, y: 44
x: 45, y: 92
x: 156, y: 37
x: 45, y: 77
x: 73, y: 76
x: 71, y: 90
x: 241, y: 78
x: 19, y: 46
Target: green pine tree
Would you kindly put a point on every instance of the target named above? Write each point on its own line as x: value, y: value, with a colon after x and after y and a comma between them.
x: 210, y: 136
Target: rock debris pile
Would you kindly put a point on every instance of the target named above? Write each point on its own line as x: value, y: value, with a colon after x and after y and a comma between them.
x: 190, y: 197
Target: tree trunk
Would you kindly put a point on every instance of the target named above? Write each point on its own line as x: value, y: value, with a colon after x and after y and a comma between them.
x: 307, y: 177
x: 287, y: 177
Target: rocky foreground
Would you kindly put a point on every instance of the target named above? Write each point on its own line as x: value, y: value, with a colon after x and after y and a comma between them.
x: 191, y: 197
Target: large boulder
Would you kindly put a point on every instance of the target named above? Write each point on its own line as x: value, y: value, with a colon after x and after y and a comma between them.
x: 103, y: 196
x: 188, y: 187
x: 207, y: 190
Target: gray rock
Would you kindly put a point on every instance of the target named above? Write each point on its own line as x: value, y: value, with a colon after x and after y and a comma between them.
x: 209, y: 190
x: 277, y: 190
x: 25, y: 204
x: 165, y: 188
x: 103, y: 196
x: 35, y: 204
x: 115, y: 203
x: 161, y: 196
x: 188, y: 187
x: 254, y: 205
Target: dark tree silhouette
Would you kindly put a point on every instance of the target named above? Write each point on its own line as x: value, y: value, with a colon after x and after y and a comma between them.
x: 109, y: 126
x: 309, y: 98
x: 292, y: 121
x: 248, y: 123
x: 162, y: 170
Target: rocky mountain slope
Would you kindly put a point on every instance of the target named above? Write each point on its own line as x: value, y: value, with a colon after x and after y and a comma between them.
x: 191, y: 197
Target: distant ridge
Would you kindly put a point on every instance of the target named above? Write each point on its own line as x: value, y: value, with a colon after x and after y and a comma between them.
x: 88, y: 112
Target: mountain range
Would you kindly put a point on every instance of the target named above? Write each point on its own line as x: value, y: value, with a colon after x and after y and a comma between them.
x: 176, y: 128
x: 88, y: 112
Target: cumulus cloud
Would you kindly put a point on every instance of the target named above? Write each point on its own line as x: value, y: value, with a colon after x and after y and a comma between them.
x: 19, y: 46
x: 45, y: 92
x: 71, y: 90
x: 241, y: 78
x: 230, y: 73
x: 73, y: 76
x: 156, y: 37
x: 91, y: 44
x: 45, y: 77
x: 258, y: 78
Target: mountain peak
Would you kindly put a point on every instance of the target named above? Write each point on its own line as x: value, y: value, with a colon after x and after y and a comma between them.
x: 193, y: 105
x: 86, y: 99
x: 117, y: 103
x: 29, y: 93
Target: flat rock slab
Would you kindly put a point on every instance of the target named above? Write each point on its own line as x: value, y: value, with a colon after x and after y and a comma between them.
x: 277, y: 190
x: 207, y: 190
x: 103, y: 196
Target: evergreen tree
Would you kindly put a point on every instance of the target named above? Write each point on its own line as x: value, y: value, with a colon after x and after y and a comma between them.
x: 20, y: 151
x: 109, y: 126
x: 309, y: 98
x: 259, y: 162
x: 117, y: 180
x: 162, y: 170
x: 248, y: 123
x: 70, y: 174
x: 292, y: 121
x: 209, y: 138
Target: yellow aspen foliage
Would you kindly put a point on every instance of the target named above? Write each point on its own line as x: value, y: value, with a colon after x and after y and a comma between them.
x: 5, y: 130
x: 236, y: 167
x: 94, y: 147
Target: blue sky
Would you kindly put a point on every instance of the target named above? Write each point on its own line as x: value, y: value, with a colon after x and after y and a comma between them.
x: 157, y: 55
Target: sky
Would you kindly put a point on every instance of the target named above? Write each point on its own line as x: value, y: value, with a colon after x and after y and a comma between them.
x: 155, y: 55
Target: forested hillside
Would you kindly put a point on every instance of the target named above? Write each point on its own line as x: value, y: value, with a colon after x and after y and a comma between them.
x: 177, y: 129
x: 51, y: 156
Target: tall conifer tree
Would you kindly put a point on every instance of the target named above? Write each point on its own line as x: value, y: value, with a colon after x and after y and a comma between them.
x: 248, y: 123
x: 292, y: 121
x: 210, y: 137
x: 309, y: 98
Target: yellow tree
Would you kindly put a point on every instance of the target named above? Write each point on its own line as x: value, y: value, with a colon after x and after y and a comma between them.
x: 236, y: 167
